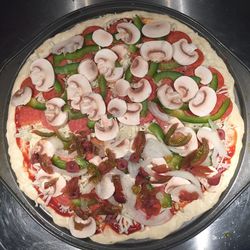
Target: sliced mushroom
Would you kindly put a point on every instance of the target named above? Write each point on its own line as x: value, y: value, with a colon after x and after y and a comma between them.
x: 54, y: 114
x: 121, y: 50
x: 128, y: 33
x: 184, y: 53
x: 102, y: 38
x: 204, y: 73
x: 190, y: 146
x: 105, y: 188
x: 204, y: 101
x: 22, y: 96
x: 42, y: 75
x: 105, y: 55
x: 89, y: 69
x: 121, y: 87
x: 82, y: 228
x: 186, y: 87
x: 106, y: 129
x: 77, y: 86
x: 140, y: 91
x: 117, y: 107
x: 139, y: 67
x: 115, y: 75
x: 213, y: 139
x: 169, y: 98
x: 119, y: 147
x: 156, y: 29
x: 93, y: 105
x: 68, y: 46
x: 156, y: 51
x: 48, y: 146
x: 132, y: 116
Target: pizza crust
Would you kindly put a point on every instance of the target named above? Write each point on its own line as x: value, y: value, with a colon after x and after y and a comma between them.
x: 190, y: 211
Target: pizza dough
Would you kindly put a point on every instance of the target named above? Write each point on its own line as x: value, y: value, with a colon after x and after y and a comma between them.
x: 232, y: 125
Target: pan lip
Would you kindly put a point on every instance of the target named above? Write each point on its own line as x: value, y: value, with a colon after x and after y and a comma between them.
x: 34, y: 43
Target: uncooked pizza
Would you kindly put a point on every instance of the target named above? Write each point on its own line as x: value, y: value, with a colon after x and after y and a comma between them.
x: 124, y: 127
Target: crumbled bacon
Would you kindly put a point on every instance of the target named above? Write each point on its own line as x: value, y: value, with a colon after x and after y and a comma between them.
x: 122, y: 165
x: 44, y: 161
x: 72, y: 188
x: 50, y: 183
x: 138, y: 146
x: 142, y: 177
x: 118, y: 195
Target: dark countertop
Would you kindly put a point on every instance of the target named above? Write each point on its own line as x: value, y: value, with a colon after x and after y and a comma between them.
x: 22, y: 20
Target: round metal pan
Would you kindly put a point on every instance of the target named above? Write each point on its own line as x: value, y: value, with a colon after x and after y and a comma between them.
x: 241, y: 180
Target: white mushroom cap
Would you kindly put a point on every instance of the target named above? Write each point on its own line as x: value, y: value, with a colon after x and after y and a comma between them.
x: 105, y: 188
x: 204, y: 73
x: 42, y: 75
x: 184, y: 53
x: 117, y: 107
x: 119, y: 147
x: 206, y: 133
x: 156, y: 29
x: 186, y: 87
x: 89, y: 69
x: 128, y: 33
x: 68, y: 46
x: 106, y: 129
x: 22, y: 96
x: 156, y: 51
x: 121, y: 87
x: 77, y: 86
x: 105, y: 55
x: 139, y: 67
x: 190, y: 146
x: 121, y: 50
x: 204, y: 101
x: 93, y: 105
x: 48, y: 146
x: 169, y: 98
x: 132, y: 116
x: 54, y: 114
x: 140, y: 91
x: 102, y: 38
x: 115, y: 75
x: 88, y: 230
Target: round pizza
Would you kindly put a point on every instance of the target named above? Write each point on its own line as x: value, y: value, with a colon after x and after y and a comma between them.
x: 124, y: 127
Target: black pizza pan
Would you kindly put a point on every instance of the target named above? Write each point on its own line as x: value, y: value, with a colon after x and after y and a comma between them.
x: 241, y: 180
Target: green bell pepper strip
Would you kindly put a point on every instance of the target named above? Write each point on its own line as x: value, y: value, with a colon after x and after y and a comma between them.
x: 76, y: 202
x: 128, y: 75
x: 174, y: 161
x: 214, y: 83
x: 58, y: 162
x: 166, y: 201
x: 64, y: 96
x: 138, y: 22
x: 153, y: 66
x: 88, y: 36
x: 117, y: 64
x: 196, y: 79
x: 73, y: 115
x: 81, y: 162
x: 102, y: 83
x: 144, y: 110
x: 64, y: 138
x: 75, y: 55
x: 173, y: 75
x: 132, y: 48
x: 33, y: 103
x: 91, y: 124
x: 58, y: 87
x: 68, y: 69
x: 157, y: 131
x: 168, y: 65
x: 43, y: 134
x: 180, y: 114
x: 200, y: 154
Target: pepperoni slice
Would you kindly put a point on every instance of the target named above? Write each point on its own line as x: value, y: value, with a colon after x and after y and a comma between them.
x: 78, y: 125
x: 175, y: 36
x: 219, y: 76
x: 220, y: 99
x: 112, y: 28
x: 186, y: 196
x: 28, y: 83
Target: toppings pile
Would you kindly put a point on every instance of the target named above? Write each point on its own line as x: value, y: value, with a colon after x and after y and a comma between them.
x: 125, y: 126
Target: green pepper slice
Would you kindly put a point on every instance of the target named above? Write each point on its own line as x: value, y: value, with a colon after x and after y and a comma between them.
x: 81, y: 162
x: 180, y: 114
x: 33, y: 103
x: 128, y: 75
x: 144, y: 110
x: 43, y: 134
x: 200, y: 154
x: 173, y: 75
x: 214, y: 83
x: 91, y: 124
x: 75, y: 55
x: 58, y: 162
x: 166, y: 201
x: 168, y: 65
x: 174, y: 161
x: 102, y: 83
x: 58, y: 87
x: 132, y: 48
x: 73, y: 115
x: 138, y: 22
x: 153, y: 66
x: 196, y: 79
x: 157, y: 131
x: 68, y: 69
